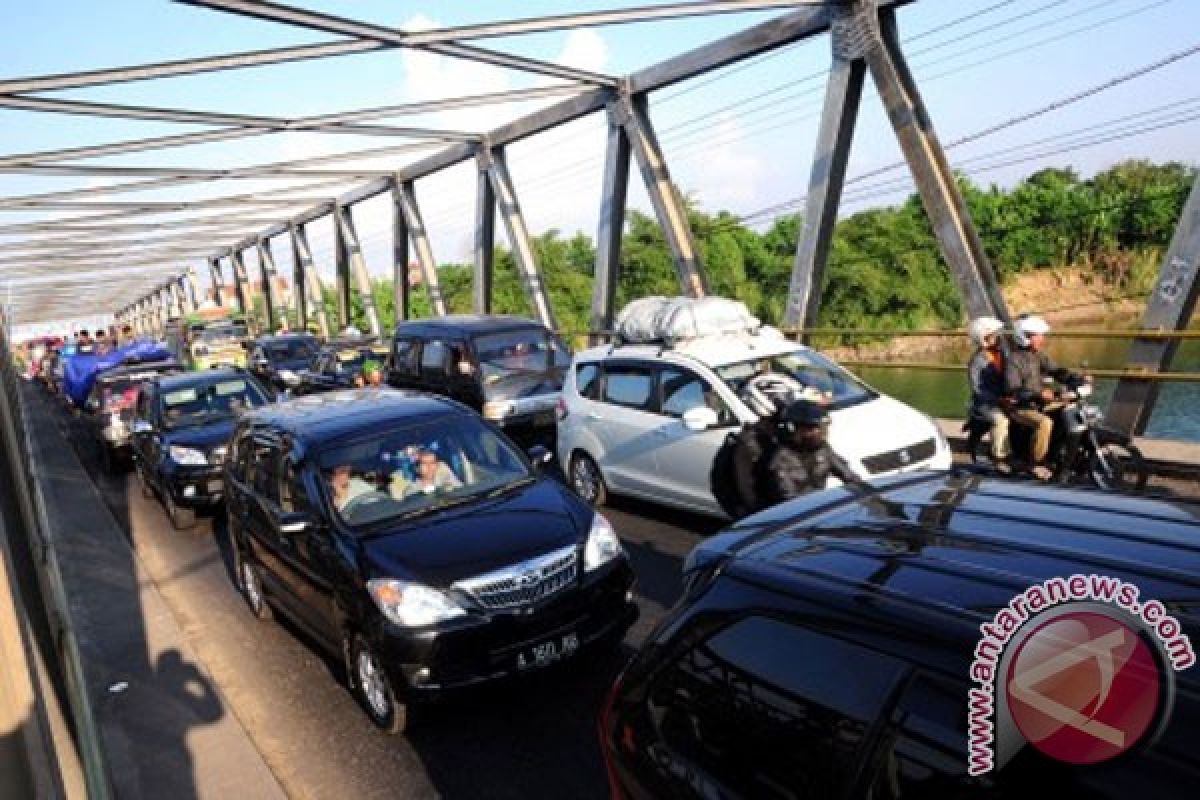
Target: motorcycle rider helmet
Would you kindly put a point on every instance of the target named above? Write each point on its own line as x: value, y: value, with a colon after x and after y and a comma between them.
x: 804, y: 422
x: 769, y: 393
x: 1030, y: 325
x: 983, y: 327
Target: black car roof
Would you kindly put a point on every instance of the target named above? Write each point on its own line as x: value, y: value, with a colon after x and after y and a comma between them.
x: 137, y: 368
x: 318, y: 418
x: 942, y: 553
x: 470, y: 324
x: 200, y: 378
x: 279, y: 338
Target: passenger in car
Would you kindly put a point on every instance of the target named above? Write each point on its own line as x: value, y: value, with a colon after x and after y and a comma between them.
x: 432, y: 476
x: 344, y: 486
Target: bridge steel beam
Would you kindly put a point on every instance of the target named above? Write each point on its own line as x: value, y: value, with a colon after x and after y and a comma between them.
x: 241, y: 283
x: 483, y: 280
x: 218, y: 282
x: 299, y: 289
x: 311, y: 281
x: 357, y: 262
x: 192, y: 288
x: 612, y: 222
x: 519, y: 241
x: 266, y: 270
x: 1170, y: 307
x: 400, y: 292
x: 407, y: 195
x: 341, y: 272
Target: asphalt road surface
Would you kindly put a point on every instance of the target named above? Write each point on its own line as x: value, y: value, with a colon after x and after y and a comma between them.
x: 534, y: 737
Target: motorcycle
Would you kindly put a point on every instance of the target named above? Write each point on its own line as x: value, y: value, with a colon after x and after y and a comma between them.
x: 1082, y: 448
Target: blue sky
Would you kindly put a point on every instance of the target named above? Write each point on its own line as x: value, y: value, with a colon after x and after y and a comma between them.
x: 732, y: 150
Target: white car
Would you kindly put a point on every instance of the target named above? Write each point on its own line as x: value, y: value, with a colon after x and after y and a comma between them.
x: 647, y: 420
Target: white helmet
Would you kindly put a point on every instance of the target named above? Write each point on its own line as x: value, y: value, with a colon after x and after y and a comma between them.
x: 1030, y: 325
x: 769, y: 393
x: 983, y: 327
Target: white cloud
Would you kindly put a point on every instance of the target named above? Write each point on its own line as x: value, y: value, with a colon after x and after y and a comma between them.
x: 725, y: 175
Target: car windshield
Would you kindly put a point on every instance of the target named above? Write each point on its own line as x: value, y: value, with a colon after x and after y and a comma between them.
x: 415, y: 469
x: 203, y: 403
x: 218, y: 333
x: 809, y: 369
x: 351, y: 361
x: 293, y: 350
x: 529, y: 350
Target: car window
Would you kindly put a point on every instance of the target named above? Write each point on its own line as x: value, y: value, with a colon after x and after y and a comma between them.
x: 266, y: 470
x: 404, y: 356
x: 586, y: 380
x: 244, y: 454
x: 201, y: 403
x: 630, y: 386
x: 433, y: 357
x: 510, y: 354
x: 682, y: 390
x: 292, y: 494
x: 808, y: 368
x: 769, y: 708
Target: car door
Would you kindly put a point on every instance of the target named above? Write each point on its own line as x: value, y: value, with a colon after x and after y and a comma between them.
x: 625, y: 421
x: 309, y: 560
x: 151, y: 438
x: 402, y: 365
x: 139, y: 439
x: 260, y: 480
x: 434, y: 367
x: 685, y: 458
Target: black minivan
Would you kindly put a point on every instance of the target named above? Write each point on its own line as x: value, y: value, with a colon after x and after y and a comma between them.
x: 406, y: 535
x: 508, y: 369
x: 832, y: 647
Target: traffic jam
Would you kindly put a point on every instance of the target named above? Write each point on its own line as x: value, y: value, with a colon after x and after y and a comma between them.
x: 428, y: 509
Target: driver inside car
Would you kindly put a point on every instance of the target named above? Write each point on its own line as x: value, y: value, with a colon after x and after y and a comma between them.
x: 432, y: 476
x: 344, y: 486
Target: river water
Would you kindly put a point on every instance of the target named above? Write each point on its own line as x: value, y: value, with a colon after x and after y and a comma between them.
x: 945, y: 394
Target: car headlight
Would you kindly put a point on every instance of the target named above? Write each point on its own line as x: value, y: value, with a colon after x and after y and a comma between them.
x: 602, y: 544
x: 411, y: 605
x: 187, y: 456
x: 498, y: 409
x: 289, y: 377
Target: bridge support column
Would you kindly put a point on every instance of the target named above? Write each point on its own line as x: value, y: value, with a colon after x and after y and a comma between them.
x: 341, y: 272
x: 407, y: 197
x: 669, y: 207
x: 493, y: 160
x: 400, y: 293
x: 240, y: 281
x: 344, y: 219
x: 485, y: 243
x: 863, y: 36
x: 218, y: 282
x: 310, y: 281
x: 1170, y: 308
x: 191, y: 291
x: 299, y: 290
x: 612, y: 224
x: 266, y: 271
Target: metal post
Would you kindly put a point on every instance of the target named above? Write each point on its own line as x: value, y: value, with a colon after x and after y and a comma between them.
x: 834, y: 137
x: 299, y: 290
x: 344, y: 219
x: 485, y: 242
x: 240, y: 281
x: 218, y: 281
x: 612, y: 222
x: 311, y: 280
x: 420, y: 238
x: 341, y: 272
x: 960, y: 243
x: 1170, y: 307
x: 191, y: 290
x: 668, y: 205
x: 399, y: 259
x: 266, y: 270
x: 518, y: 235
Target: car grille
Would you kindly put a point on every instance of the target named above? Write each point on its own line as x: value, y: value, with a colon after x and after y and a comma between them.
x: 898, y: 459
x: 525, y: 583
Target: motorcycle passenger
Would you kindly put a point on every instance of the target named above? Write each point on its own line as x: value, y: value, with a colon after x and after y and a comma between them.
x: 1024, y: 378
x: 985, y: 373
x: 802, y: 461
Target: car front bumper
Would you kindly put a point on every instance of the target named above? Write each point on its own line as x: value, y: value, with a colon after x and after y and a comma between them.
x: 195, y: 487
x: 486, y: 647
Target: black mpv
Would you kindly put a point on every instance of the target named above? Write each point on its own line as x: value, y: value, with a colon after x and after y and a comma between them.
x: 412, y: 539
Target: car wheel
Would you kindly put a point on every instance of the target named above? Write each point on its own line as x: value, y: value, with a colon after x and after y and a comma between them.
x: 143, y: 482
x: 249, y: 583
x: 182, y: 519
x: 587, y: 481
x: 375, y: 690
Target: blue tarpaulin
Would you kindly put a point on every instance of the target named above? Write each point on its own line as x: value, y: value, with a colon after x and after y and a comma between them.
x: 80, y: 370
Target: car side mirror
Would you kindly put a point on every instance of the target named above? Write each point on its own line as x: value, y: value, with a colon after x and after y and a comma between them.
x: 540, y: 456
x: 294, y: 523
x: 699, y: 419
x: 141, y: 426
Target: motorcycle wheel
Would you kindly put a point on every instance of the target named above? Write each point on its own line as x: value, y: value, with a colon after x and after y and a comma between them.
x: 1115, y: 466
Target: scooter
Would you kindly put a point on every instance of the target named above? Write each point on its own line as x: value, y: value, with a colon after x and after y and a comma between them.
x: 1082, y: 448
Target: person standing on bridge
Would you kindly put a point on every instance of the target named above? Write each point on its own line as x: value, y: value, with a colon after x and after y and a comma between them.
x: 985, y: 373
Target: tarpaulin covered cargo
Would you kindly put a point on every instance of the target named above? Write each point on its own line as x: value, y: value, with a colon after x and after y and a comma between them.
x: 80, y: 370
x: 673, y: 319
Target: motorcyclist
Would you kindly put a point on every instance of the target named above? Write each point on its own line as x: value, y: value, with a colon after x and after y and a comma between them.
x: 802, y: 459
x: 985, y: 374
x: 1035, y: 404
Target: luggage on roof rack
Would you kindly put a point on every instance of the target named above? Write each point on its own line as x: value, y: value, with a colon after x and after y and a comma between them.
x: 674, y: 319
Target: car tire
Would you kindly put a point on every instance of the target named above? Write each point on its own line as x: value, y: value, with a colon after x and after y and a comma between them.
x: 586, y: 480
x: 182, y: 519
x: 374, y: 690
x: 143, y: 481
x: 249, y: 583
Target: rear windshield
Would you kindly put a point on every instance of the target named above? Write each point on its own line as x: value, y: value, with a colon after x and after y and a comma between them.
x: 216, y: 333
x: 208, y: 402
x: 350, y: 361
x: 525, y: 351
x: 809, y: 369
x: 294, y: 350
x: 413, y: 469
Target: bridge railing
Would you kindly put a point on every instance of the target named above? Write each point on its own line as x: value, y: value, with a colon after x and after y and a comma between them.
x: 57, y: 756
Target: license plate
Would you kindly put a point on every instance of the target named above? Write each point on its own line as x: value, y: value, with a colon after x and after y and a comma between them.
x: 215, y: 487
x: 546, y: 653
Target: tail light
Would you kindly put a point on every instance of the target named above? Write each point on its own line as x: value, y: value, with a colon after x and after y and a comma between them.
x: 604, y: 726
x: 560, y: 409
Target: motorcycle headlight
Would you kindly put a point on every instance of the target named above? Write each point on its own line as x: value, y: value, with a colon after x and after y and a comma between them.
x: 412, y: 605
x: 602, y: 544
x: 187, y: 456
